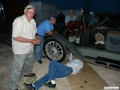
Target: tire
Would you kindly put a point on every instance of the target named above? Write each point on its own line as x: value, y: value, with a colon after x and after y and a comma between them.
x: 51, y: 48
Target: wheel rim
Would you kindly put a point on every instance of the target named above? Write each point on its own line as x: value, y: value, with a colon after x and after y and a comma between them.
x: 54, y: 50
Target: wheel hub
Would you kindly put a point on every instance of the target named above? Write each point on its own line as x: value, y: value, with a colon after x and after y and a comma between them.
x: 54, y: 51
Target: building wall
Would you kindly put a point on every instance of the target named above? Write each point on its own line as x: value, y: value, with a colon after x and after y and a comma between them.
x: 44, y: 10
x: 38, y: 11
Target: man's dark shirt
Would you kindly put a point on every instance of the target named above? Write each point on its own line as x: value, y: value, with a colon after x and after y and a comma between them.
x: 61, y: 17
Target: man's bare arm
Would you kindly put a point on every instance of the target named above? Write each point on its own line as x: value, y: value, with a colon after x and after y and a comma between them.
x: 24, y: 40
x: 50, y: 32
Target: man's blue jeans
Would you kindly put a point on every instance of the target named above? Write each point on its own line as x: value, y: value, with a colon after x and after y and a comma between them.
x: 56, y: 70
x: 39, y: 48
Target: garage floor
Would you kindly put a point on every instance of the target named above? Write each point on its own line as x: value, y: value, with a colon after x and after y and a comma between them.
x: 91, y: 77
x: 86, y: 79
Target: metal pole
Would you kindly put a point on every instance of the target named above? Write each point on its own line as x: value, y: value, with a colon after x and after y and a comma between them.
x: 42, y: 9
x: 3, y: 14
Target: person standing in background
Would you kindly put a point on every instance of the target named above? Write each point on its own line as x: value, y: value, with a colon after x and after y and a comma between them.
x: 70, y: 17
x: 60, y: 19
x: 91, y: 19
x: 23, y: 41
x: 60, y: 22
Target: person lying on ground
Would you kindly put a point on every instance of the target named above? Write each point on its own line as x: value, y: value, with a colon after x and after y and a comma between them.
x: 56, y: 70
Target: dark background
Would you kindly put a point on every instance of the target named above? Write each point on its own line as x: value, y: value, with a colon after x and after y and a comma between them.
x: 97, y: 6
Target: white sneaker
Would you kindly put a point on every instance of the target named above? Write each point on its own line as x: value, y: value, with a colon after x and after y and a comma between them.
x: 97, y: 42
x: 102, y: 42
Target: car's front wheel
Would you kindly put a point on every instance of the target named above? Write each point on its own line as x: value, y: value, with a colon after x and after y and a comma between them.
x: 54, y: 49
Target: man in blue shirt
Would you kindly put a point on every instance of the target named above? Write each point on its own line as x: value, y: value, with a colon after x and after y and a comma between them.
x: 44, y: 28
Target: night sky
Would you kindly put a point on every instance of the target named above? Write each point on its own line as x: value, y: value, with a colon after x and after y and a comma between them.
x: 99, y: 6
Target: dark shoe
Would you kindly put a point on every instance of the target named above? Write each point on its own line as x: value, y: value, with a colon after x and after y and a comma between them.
x: 16, y: 89
x: 30, y: 75
x: 29, y: 86
x: 50, y: 85
x: 40, y: 61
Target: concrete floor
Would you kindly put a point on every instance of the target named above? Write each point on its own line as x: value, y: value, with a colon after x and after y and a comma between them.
x: 112, y: 77
x: 86, y: 79
x: 91, y: 77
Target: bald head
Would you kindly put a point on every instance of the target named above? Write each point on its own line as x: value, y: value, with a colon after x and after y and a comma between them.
x: 52, y: 20
x: 72, y: 13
